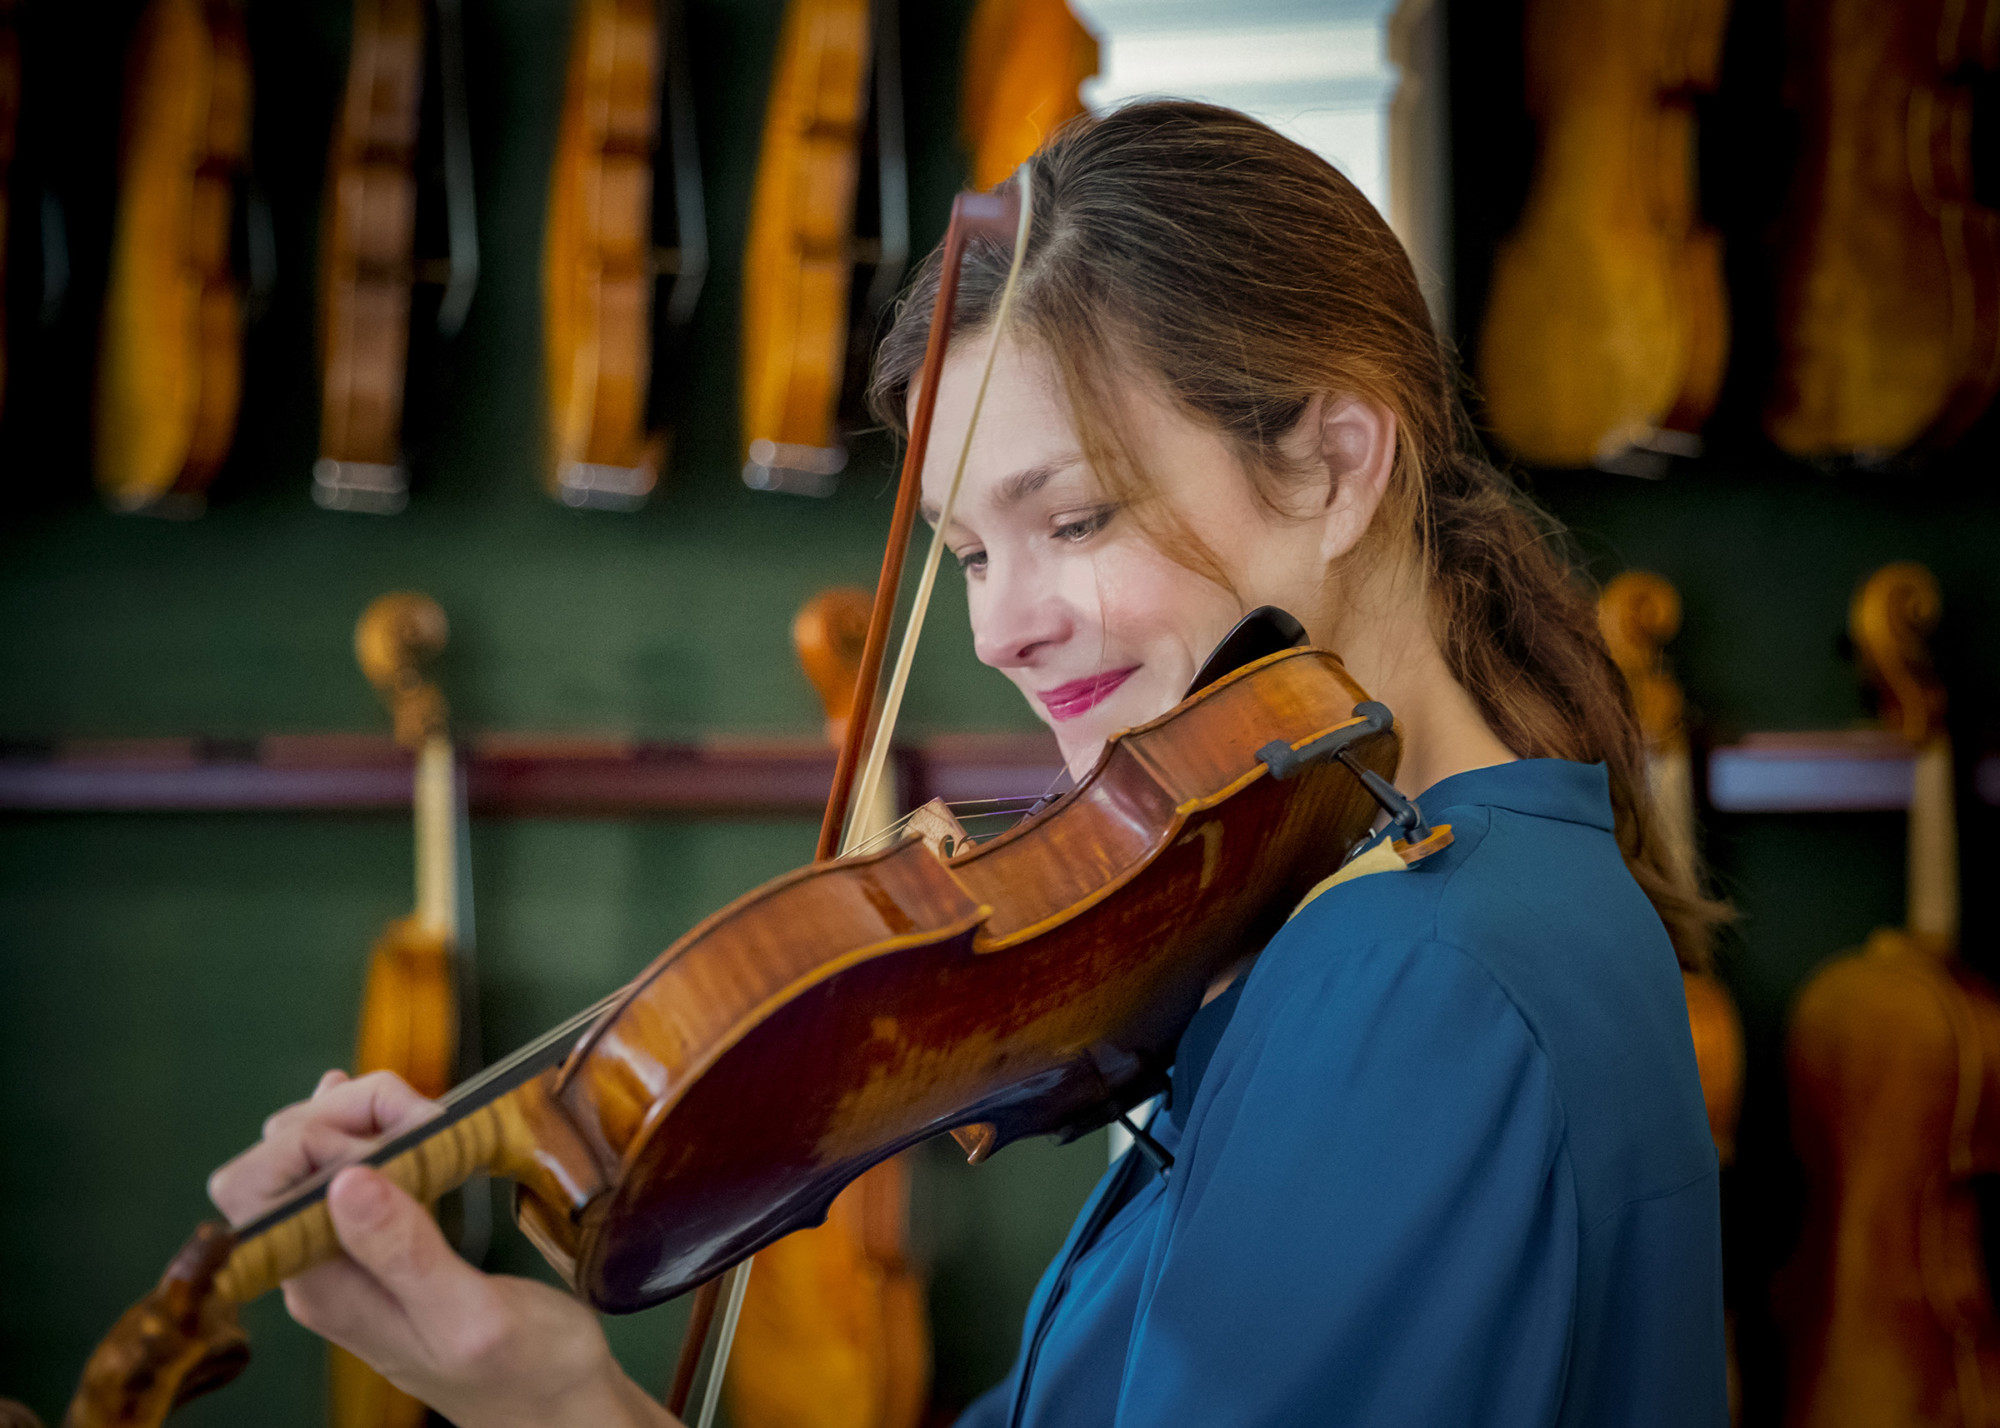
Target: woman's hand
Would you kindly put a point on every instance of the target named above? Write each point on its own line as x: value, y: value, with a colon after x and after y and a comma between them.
x: 486, y: 1351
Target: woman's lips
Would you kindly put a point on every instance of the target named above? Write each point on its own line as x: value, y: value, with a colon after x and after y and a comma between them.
x: 1066, y: 701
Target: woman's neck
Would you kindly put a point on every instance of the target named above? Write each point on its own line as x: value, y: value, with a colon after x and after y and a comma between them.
x: 1387, y: 645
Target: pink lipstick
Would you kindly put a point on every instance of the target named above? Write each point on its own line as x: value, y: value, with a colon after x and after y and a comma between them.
x: 1066, y: 701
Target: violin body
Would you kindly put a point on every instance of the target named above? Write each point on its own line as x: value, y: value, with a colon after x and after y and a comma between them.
x: 1894, y: 1061
x: 10, y: 116
x: 1025, y: 64
x: 1890, y: 298
x: 1607, y: 322
x: 798, y: 260
x: 597, y: 260
x: 367, y: 261
x: 1004, y: 988
x: 170, y: 363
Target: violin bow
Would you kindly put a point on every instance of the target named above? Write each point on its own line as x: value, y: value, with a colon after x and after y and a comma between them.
x: 864, y: 752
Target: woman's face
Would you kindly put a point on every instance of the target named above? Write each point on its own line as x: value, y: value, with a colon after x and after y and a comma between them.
x: 1070, y: 600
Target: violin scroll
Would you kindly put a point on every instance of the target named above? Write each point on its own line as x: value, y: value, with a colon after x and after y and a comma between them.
x: 179, y: 1342
x: 1637, y: 614
x: 397, y: 634
x: 1890, y: 622
x: 829, y: 634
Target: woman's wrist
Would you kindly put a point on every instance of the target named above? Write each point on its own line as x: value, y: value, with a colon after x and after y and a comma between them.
x: 611, y: 1400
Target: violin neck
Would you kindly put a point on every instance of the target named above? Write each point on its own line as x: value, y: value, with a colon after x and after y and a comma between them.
x: 1933, y: 850
x: 436, y: 805
x: 513, y: 1129
x: 1672, y: 782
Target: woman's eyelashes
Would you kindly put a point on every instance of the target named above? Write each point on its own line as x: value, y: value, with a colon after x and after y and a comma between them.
x: 1075, y: 528
x: 971, y: 562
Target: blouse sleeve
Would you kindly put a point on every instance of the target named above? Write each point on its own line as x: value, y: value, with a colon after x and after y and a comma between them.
x: 1375, y: 1221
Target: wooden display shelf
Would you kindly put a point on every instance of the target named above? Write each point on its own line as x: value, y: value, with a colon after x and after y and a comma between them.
x: 1824, y: 771
x: 529, y: 776
x: 508, y: 775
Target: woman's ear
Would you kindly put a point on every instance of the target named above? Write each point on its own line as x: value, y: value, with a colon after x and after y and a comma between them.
x: 1357, y: 441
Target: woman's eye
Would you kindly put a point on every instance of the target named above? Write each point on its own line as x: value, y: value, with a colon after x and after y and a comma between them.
x: 1083, y: 527
x: 972, y: 562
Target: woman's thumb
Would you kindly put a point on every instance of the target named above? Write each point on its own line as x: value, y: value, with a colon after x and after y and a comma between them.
x: 395, y: 1239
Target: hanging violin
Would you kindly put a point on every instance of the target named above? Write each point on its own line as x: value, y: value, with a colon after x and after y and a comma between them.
x: 1638, y: 612
x: 1893, y: 1058
x: 1033, y: 984
x: 1025, y: 64
x: 1890, y: 298
x: 368, y: 245
x: 598, y: 255
x: 10, y: 116
x: 801, y: 256
x: 170, y: 354
x: 1605, y: 335
x: 410, y: 1004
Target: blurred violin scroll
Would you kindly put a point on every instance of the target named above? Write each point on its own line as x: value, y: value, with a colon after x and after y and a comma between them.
x: 1890, y: 303
x: 170, y: 357
x: 368, y: 245
x: 1606, y: 330
x: 1894, y: 1063
x: 801, y: 257
x: 599, y: 259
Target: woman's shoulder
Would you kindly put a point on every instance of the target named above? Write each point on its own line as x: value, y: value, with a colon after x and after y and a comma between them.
x: 1528, y: 927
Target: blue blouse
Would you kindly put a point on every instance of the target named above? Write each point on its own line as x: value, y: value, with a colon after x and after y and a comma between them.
x: 1440, y: 1158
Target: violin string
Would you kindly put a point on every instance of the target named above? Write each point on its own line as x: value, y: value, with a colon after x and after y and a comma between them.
x: 303, y: 1194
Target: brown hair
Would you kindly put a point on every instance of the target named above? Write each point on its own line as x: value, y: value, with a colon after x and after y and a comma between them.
x: 1247, y: 276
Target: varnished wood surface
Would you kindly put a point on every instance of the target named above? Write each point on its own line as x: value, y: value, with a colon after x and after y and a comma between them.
x: 1005, y: 969
x: 170, y: 355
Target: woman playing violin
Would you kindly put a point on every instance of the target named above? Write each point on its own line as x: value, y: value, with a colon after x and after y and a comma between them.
x: 1438, y: 1151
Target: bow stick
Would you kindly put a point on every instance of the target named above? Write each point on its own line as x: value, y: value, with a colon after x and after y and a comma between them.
x: 865, y: 751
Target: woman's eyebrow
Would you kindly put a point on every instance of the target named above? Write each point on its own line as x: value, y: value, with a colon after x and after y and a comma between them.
x: 1014, y: 489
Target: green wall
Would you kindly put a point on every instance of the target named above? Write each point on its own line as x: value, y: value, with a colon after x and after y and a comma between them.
x: 167, y: 980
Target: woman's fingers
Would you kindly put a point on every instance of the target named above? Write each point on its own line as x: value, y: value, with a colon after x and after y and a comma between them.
x: 342, y: 1117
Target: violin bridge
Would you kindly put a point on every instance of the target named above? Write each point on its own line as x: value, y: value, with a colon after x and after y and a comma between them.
x: 942, y: 833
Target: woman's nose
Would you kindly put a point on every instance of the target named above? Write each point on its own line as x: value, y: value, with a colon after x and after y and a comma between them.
x: 1018, y: 619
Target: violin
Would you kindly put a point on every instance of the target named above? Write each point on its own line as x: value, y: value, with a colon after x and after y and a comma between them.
x: 410, y: 1002
x: 797, y: 261
x: 1893, y: 1058
x: 1025, y: 64
x: 1606, y: 331
x: 1638, y: 612
x: 368, y: 247
x: 597, y: 261
x: 1032, y: 984
x: 10, y: 117
x: 170, y: 352
x: 833, y: 1332
x: 1889, y: 308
